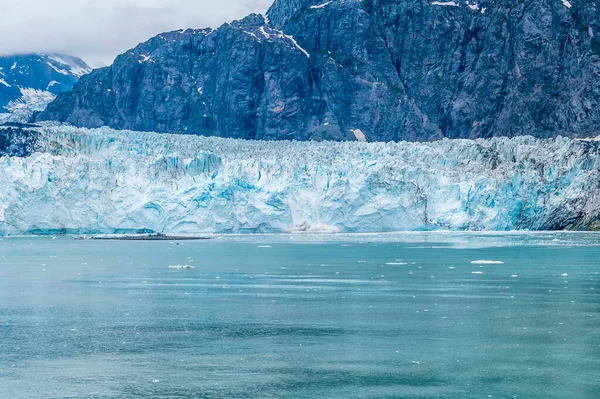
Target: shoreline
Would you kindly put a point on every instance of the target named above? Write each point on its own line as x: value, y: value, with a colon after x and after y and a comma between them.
x: 144, y: 238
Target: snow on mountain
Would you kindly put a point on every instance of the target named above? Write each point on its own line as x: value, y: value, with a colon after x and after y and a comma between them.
x: 33, y: 80
x: 106, y: 181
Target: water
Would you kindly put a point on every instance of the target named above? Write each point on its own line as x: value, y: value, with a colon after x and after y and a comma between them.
x: 367, y: 316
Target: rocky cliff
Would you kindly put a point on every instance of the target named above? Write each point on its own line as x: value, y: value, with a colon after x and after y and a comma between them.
x: 373, y: 70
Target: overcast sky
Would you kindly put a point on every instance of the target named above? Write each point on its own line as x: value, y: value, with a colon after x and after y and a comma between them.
x: 98, y: 30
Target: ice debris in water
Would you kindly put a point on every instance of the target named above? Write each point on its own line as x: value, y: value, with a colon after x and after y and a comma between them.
x: 487, y: 262
x: 181, y: 267
x: 109, y: 181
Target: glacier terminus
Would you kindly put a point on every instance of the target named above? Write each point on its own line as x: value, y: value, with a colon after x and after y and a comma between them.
x: 61, y: 179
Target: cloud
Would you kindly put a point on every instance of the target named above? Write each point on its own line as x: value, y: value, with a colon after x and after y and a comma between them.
x: 98, y: 30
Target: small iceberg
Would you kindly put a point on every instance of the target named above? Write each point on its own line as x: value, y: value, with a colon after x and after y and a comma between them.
x: 181, y: 267
x: 487, y: 262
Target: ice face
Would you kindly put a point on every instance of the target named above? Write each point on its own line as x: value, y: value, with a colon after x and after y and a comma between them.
x: 106, y: 181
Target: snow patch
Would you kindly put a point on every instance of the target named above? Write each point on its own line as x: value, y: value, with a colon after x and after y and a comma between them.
x: 145, y: 58
x: 320, y: 5
x: 297, y: 45
x: 444, y: 3
x: 359, y: 135
x: 280, y: 35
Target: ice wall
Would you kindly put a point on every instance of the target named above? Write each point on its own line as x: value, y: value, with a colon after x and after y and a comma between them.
x: 106, y: 181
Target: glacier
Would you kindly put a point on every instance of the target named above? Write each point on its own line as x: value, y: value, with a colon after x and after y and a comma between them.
x: 103, y: 181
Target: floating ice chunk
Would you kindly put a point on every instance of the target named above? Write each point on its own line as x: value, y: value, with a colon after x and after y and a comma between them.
x: 181, y: 267
x: 476, y: 272
x: 264, y: 246
x: 487, y: 262
x: 396, y: 263
x: 564, y: 275
x: 514, y: 276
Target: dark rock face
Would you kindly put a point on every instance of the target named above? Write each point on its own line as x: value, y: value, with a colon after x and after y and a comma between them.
x: 17, y: 142
x: 52, y: 73
x: 384, y: 69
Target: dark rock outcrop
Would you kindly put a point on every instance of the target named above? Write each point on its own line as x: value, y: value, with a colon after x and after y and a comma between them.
x: 384, y: 69
x: 17, y: 142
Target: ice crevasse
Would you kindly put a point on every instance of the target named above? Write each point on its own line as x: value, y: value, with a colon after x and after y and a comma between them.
x: 105, y: 181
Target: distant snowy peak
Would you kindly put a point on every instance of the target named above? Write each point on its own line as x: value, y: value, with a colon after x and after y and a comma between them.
x: 67, y: 65
x: 36, y: 78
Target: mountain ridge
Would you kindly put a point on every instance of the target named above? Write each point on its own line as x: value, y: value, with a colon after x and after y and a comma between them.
x: 375, y: 70
x: 27, y: 77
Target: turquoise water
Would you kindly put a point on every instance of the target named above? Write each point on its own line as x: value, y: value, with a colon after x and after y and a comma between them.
x: 366, y: 316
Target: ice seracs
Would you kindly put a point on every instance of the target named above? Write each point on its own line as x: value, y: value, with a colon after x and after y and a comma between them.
x: 105, y: 181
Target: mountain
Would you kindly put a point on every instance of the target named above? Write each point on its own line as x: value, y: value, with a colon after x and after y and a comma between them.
x: 72, y: 180
x: 375, y: 70
x: 37, y: 78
